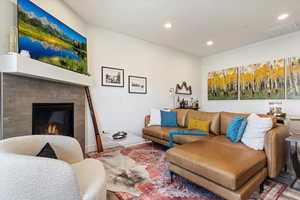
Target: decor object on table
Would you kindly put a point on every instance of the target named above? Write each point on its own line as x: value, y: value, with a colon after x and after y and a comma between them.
x: 168, y: 119
x: 223, y: 84
x: 49, y: 40
x: 94, y: 120
x: 293, y: 158
x: 183, y: 89
x: 137, y: 85
x: 112, y: 77
x: 195, y: 104
x: 153, y: 178
x: 29, y: 177
x: 293, y: 78
x: 119, y: 135
x: 25, y: 53
x: 276, y: 110
x: 263, y: 80
x: 185, y: 104
x: 257, y: 127
x: 172, y: 94
x: 293, y: 124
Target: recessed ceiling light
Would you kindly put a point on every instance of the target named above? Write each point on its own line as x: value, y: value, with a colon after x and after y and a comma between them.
x: 283, y: 16
x: 209, y: 43
x: 168, y: 25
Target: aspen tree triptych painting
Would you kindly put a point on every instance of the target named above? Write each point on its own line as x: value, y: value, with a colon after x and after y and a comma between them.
x: 223, y: 85
x: 278, y: 79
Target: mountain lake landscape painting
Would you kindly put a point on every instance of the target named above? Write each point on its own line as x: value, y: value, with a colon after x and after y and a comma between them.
x: 49, y: 40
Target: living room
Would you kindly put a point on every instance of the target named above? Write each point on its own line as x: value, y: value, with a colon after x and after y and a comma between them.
x: 138, y: 62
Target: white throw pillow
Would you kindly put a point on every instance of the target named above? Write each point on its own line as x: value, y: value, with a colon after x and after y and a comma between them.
x: 257, y: 127
x: 155, y: 117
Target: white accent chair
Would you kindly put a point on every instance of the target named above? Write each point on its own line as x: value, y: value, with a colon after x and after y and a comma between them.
x: 23, y: 176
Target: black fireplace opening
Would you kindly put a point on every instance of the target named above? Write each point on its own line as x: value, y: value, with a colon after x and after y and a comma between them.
x: 53, y: 119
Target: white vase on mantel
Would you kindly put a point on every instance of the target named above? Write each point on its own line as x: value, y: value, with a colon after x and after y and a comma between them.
x: 13, y: 41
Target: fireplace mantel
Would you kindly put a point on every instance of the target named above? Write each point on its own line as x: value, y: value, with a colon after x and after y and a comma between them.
x: 23, y: 66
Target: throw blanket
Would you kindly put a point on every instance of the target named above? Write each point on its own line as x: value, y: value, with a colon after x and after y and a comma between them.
x: 184, y: 132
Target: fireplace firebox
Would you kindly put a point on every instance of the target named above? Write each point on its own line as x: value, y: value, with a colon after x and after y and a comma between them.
x: 53, y: 119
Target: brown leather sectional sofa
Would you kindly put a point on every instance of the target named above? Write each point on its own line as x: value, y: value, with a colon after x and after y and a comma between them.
x: 231, y: 170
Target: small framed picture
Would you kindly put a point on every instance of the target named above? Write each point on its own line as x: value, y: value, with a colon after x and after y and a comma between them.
x: 112, y: 77
x: 137, y: 85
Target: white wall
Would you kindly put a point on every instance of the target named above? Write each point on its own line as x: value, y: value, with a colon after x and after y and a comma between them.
x: 285, y: 46
x: 117, y: 110
x: 7, y: 19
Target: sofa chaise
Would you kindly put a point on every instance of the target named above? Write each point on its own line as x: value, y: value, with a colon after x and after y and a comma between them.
x: 231, y: 170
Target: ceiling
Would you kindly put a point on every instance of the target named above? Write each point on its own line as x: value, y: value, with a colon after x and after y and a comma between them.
x: 229, y: 23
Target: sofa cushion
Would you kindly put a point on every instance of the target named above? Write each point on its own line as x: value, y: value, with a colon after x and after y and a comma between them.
x: 184, y: 139
x: 227, y: 117
x: 230, y: 164
x: 214, y: 117
x: 158, y: 131
x: 163, y: 134
x: 181, y: 115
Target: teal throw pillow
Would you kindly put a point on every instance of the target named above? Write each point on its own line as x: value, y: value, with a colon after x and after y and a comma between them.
x: 233, y: 128
x: 168, y: 119
x: 241, y: 130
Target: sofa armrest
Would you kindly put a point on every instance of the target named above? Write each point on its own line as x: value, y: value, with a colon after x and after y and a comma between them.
x: 276, y: 149
x: 36, y: 178
x: 147, y: 120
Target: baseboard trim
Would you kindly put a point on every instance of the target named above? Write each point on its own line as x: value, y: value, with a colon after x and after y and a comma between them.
x: 93, y: 148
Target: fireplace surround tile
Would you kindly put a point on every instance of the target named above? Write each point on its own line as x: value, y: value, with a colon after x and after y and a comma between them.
x: 19, y: 93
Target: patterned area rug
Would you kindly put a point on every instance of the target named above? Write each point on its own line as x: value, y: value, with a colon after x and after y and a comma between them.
x: 141, y: 173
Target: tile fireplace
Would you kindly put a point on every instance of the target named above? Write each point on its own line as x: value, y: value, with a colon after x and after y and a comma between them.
x: 53, y: 119
x: 34, y: 106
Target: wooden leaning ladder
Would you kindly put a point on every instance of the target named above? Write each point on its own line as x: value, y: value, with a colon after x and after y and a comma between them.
x: 96, y: 129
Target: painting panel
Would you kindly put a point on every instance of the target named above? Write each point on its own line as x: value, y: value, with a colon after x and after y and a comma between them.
x: 293, y: 78
x: 263, y: 80
x: 223, y: 84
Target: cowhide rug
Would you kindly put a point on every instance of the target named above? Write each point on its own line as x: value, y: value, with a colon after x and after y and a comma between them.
x: 123, y: 173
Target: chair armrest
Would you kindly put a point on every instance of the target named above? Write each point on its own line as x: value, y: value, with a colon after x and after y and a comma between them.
x: 35, y: 178
x: 147, y: 120
x: 276, y: 149
x: 66, y: 148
